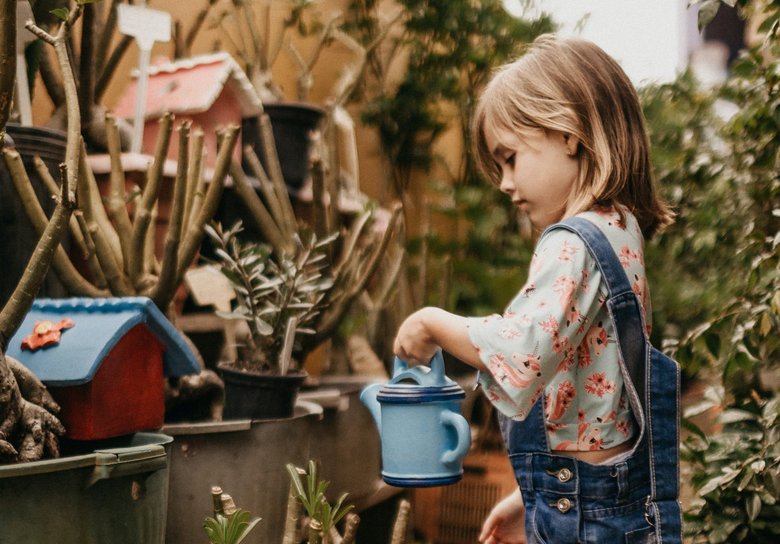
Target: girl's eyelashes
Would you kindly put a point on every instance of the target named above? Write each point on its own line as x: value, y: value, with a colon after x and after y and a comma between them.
x: 509, y: 160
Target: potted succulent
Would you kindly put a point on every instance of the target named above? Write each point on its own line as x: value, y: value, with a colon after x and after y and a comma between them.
x: 257, y: 32
x: 279, y: 295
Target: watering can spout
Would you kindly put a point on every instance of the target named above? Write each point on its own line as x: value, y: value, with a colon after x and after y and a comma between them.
x: 368, y: 398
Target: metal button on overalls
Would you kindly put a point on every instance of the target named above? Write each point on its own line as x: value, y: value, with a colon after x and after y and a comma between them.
x: 564, y: 475
x: 563, y: 505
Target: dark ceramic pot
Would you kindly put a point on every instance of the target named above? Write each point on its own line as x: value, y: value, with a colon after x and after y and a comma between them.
x: 259, y: 396
x: 292, y: 125
x: 19, y: 236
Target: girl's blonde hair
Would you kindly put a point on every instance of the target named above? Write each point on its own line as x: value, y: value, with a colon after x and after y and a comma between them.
x: 571, y: 85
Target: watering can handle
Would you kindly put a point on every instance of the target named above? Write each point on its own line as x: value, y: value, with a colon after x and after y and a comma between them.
x: 461, y: 426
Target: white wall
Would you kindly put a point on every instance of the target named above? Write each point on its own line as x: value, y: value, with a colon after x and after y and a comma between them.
x: 651, y: 39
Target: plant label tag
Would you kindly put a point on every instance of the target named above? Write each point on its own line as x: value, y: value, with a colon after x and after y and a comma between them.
x: 209, y: 287
x: 145, y: 25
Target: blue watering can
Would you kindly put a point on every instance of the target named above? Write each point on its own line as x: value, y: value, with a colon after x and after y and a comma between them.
x: 424, y: 437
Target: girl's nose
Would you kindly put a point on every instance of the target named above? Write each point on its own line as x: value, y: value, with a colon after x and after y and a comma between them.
x: 507, y: 185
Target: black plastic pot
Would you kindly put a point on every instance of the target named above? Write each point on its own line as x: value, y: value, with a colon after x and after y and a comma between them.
x: 19, y: 237
x: 292, y: 123
x: 259, y: 396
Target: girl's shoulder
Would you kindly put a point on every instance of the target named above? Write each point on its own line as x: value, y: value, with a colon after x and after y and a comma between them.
x: 619, y: 226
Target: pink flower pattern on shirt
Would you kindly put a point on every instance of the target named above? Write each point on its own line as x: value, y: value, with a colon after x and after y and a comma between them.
x: 556, y: 340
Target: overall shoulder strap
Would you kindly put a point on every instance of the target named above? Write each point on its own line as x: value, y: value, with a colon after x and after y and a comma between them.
x: 624, y: 309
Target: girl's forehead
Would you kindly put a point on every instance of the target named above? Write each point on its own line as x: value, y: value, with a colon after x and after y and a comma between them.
x: 505, y: 135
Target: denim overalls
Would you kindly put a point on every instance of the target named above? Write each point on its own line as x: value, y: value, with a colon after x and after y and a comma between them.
x: 635, y: 499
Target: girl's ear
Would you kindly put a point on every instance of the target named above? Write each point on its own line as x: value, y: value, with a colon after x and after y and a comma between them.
x: 571, y: 142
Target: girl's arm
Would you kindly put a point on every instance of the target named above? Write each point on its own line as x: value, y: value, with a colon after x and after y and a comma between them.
x: 429, y: 329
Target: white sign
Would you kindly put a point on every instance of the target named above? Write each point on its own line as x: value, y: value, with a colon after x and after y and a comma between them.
x: 146, y: 26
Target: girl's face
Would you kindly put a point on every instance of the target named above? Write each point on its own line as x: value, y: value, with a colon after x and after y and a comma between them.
x: 538, y: 169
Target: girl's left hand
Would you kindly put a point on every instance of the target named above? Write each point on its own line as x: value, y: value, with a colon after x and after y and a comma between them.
x: 414, y: 342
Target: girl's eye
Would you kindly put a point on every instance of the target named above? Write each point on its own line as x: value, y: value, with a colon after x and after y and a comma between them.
x: 509, y: 160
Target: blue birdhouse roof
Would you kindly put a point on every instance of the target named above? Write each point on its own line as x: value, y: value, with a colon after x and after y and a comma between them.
x: 100, y: 323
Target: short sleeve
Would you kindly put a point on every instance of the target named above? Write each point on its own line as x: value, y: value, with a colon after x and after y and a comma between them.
x: 538, y: 335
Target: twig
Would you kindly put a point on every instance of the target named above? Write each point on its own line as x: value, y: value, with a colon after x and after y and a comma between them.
x: 163, y: 292
x: 117, y: 198
x: 106, y: 256
x: 7, y: 60
x: 194, y: 175
x: 258, y: 211
x: 21, y: 299
x: 73, y: 281
x: 275, y: 172
x: 269, y: 194
x: 144, y: 209
x: 194, y: 234
x: 51, y: 186
x: 111, y: 66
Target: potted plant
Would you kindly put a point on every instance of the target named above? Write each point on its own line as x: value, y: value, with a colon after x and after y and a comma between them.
x: 278, y: 298
x: 257, y: 33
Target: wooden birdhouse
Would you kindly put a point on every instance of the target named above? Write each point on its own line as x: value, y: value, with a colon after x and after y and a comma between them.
x: 104, y: 360
x: 210, y: 90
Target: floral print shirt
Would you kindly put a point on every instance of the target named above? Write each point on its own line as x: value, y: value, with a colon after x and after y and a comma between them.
x: 556, y: 339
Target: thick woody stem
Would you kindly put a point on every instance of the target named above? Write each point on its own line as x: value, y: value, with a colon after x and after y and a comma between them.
x: 143, y: 212
x: 291, y: 520
x: 401, y: 524
x: 319, y: 206
x: 51, y: 186
x: 194, y: 175
x: 21, y: 299
x: 94, y: 213
x: 117, y: 198
x: 163, y: 292
x: 86, y: 65
x: 332, y: 316
x: 269, y: 193
x: 195, y: 229
x: 7, y: 59
x: 51, y: 79
x: 107, y: 26
x: 257, y: 210
x: 275, y: 171
x: 74, y: 282
x: 350, y: 528
x: 111, y: 66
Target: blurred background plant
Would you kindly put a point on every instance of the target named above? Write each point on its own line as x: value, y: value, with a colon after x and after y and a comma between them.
x: 717, y: 278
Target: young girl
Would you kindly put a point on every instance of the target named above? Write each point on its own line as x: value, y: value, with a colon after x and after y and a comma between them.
x: 588, y: 409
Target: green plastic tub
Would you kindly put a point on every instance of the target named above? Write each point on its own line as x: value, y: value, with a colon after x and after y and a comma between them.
x: 116, y: 493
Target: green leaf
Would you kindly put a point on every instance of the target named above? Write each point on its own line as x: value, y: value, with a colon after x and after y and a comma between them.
x: 753, y: 506
x: 60, y: 13
x: 734, y: 415
x: 707, y: 11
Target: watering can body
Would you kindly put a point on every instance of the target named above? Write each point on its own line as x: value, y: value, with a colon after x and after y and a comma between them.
x: 424, y: 437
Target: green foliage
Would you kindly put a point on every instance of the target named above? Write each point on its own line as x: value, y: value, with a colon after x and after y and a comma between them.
x: 736, y: 473
x: 270, y: 289
x: 716, y: 274
x: 453, y: 46
x: 229, y: 529
x: 312, y: 496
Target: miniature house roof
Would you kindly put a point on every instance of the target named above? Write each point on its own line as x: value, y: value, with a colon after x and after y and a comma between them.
x: 190, y: 86
x: 100, y: 323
